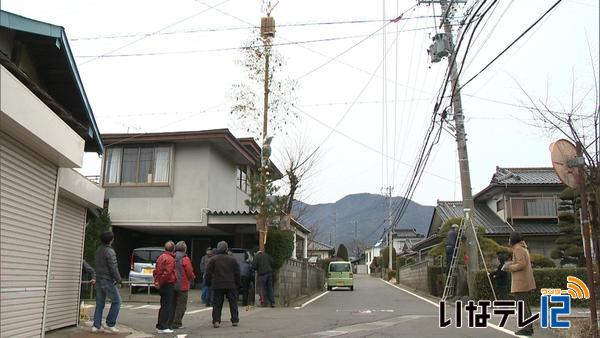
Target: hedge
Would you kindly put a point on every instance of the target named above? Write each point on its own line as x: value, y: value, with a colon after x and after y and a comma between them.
x: 280, y: 245
x: 544, y: 278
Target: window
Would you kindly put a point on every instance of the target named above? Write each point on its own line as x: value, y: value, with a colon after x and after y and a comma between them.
x: 542, y: 207
x: 500, y: 205
x: 242, y: 178
x: 137, y: 165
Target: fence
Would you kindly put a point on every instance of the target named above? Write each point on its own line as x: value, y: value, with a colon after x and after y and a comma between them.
x: 414, y: 275
x: 296, y: 279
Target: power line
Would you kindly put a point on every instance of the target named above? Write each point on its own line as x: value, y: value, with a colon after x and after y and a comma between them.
x: 158, y: 31
x: 225, y: 29
x: 291, y: 43
x: 512, y: 43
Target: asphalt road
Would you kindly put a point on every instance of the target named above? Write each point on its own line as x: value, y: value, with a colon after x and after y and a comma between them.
x: 373, y: 309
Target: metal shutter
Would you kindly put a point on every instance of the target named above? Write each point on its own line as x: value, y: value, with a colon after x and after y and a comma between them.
x: 65, y: 268
x: 27, y: 192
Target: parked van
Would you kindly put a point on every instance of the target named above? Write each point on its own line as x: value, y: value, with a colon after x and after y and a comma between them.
x: 340, y: 274
x: 143, y: 262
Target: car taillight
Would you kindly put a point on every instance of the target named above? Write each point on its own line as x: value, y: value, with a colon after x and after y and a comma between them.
x: 329, y: 275
x: 350, y: 274
x: 132, y: 261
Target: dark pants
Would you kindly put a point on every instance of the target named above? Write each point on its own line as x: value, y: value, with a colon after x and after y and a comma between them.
x: 266, y: 289
x: 232, y: 299
x: 246, y: 281
x: 167, y: 293
x: 524, y: 296
x: 449, y: 254
x: 179, y: 305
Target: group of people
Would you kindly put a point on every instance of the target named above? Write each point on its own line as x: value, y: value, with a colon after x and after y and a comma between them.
x: 222, y: 277
x: 520, y: 269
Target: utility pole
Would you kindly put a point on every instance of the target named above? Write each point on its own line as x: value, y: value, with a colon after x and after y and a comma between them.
x: 388, y: 191
x: 267, y: 33
x: 463, y: 158
x: 586, y: 229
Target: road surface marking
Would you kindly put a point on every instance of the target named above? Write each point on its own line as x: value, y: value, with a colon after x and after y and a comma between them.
x: 370, y: 326
x: 312, y: 300
x: 495, y: 327
x: 364, y: 311
x: 153, y: 307
x: 197, y: 311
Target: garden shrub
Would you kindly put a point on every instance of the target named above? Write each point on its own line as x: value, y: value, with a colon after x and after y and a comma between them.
x: 280, y: 245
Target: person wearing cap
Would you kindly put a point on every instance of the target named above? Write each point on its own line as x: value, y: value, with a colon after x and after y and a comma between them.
x: 223, y: 275
x: 451, y: 245
x: 207, y: 294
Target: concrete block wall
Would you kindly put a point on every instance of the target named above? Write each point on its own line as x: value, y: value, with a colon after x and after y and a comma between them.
x: 296, y: 279
x: 415, y: 276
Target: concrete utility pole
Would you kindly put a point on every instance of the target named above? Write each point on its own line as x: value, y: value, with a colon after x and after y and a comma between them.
x: 267, y: 32
x: 463, y: 158
x: 586, y: 230
x: 389, y: 221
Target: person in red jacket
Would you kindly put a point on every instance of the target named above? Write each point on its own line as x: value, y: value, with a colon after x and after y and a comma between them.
x: 164, y: 280
x: 185, y: 274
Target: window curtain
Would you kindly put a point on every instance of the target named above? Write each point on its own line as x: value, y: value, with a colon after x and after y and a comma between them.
x: 161, y: 165
x: 113, y: 165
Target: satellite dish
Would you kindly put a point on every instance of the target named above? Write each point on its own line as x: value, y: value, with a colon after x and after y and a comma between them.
x: 563, y: 152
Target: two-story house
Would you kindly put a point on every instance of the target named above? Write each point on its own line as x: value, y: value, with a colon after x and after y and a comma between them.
x: 46, y: 125
x: 404, y: 239
x: 189, y: 185
x: 523, y: 199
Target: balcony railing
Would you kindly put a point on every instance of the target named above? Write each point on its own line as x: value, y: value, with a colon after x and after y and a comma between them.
x: 532, y: 207
x: 94, y: 178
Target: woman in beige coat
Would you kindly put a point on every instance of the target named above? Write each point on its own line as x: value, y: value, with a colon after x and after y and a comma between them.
x: 523, y: 281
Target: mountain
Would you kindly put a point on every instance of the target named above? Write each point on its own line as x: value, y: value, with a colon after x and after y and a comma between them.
x: 368, y: 210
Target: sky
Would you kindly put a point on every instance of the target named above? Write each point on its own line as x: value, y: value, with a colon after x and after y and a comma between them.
x: 156, y: 65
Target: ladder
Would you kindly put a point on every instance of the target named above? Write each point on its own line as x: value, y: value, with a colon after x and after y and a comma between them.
x: 451, y: 278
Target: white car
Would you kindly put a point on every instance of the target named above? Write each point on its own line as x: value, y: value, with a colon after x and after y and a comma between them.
x: 143, y: 262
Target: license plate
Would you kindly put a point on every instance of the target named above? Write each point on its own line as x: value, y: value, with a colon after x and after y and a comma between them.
x: 339, y: 283
x: 147, y: 271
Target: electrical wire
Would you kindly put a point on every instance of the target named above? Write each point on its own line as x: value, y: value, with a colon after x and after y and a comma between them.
x: 512, y: 43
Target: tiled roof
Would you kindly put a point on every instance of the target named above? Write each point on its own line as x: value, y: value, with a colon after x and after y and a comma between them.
x: 318, y: 246
x: 517, y: 176
x: 427, y: 242
x: 233, y: 213
x: 493, y: 225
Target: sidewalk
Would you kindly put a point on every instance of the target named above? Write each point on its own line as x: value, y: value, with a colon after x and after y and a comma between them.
x: 84, y: 330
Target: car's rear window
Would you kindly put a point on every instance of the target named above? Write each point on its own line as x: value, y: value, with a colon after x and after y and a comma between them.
x: 146, y: 256
x: 339, y: 267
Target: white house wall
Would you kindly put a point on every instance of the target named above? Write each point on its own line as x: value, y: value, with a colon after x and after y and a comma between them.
x: 224, y: 194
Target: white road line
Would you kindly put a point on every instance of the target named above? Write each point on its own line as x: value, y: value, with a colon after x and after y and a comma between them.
x: 495, y: 327
x: 312, y: 300
x: 153, y: 307
x: 197, y: 311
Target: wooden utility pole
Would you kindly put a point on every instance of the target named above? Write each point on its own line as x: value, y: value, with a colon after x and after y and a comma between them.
x: 463, y: 158
x: 586, y: 231
x: 267, y: 32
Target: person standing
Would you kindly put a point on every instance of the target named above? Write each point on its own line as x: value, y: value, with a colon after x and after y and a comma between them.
x: 450, y: 245
x: 164, y: 280
x: 523, y: 281
x: 247, y: 276
x: 500, y: 277
x: 88, y: 274
x: 107, y: 279
x: 207, y: 294
x: 185, y: 274
x: 223, y: 275
x: 263, y: 265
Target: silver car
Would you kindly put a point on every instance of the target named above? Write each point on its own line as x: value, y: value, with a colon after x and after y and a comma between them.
x: 143, y: 262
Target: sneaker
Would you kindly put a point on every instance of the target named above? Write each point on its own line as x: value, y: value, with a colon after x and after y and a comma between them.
x: 216, y: 324
x: 164, y: 331
x: 235, y: 324
x: 95, y: 329
x: 179, y: 327
x: 111, y: 329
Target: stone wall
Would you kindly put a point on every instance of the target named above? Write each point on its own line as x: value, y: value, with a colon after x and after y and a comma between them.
x: 415, y: 276
x: 296, y: 279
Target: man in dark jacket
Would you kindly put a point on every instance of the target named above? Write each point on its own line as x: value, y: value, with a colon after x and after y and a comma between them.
x: 500, y: 277
x: 207, y: 294
x: 107, y: 278
x: 164, y: 280
x: 263, y: 265
x: 450, y: 245
x: 223, y: 276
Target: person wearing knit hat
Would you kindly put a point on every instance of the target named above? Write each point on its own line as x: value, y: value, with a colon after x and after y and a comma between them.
x: 223, y: 276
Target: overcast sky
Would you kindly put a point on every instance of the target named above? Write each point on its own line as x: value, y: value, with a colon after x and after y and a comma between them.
x: 182, y: 80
